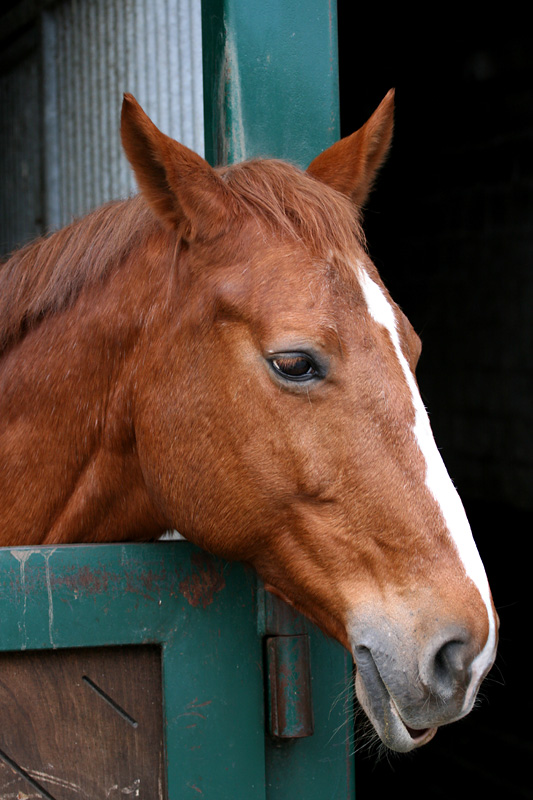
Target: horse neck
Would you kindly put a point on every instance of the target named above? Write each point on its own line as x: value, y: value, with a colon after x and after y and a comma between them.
x: 67, y: 443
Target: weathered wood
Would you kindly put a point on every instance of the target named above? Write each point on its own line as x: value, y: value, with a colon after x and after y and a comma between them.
x: 82, y: 724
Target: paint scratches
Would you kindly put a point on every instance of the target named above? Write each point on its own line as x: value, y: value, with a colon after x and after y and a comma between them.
x: 205, y: 581
x: 23, y: 556
x: 233, y: 140
x: 46, y: 555
x: 34, y: 777
x: 133, y: 790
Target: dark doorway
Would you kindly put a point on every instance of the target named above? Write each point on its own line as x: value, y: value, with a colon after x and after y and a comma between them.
x: 450, y: 227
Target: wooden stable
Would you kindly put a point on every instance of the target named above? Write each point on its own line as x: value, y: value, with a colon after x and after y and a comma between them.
x: 154, y: 670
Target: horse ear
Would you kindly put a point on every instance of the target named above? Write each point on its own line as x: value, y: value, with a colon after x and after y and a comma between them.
x: 181, y: 187
x: 351, y: 165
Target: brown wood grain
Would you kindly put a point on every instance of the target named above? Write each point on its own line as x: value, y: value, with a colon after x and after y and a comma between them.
x: 82, y: 725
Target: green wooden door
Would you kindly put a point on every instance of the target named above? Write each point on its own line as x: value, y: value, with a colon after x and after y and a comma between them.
x: 208, y: 621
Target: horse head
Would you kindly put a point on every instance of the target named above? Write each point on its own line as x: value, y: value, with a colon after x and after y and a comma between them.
x: 278, y: 420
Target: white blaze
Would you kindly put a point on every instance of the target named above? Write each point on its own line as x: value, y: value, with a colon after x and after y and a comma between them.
x: 437, y: 479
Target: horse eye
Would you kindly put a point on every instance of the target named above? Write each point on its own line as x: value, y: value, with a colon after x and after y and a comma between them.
x: 295, y: 366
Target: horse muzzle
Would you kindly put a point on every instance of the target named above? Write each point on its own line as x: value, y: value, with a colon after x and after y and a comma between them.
x: 408, y: 691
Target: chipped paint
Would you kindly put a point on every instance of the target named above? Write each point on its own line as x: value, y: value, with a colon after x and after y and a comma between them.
x: 206, y: 580
x: 133, y: 790
x: 230, y: 106
x: 23, y: 556
x: 46, y: 555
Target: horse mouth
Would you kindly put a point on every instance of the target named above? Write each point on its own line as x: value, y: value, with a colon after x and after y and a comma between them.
x: 420, y: 736
x: 415, y: 733
x: 380, y: 707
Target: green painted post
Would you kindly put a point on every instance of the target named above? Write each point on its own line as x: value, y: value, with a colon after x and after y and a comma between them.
x: 270, y: 79
x: 271, y: 89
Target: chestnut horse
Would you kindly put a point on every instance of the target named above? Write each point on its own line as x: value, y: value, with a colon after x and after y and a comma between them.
x: 219, y: 355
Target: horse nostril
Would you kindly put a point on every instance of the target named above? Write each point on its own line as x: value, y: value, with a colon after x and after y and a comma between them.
x: 450, y: 659
x: 448, y: 668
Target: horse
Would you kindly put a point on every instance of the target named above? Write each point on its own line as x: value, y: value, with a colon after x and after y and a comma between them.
x: 218, y: 355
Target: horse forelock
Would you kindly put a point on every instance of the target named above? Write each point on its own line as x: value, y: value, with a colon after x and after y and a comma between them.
x: 294, y: 204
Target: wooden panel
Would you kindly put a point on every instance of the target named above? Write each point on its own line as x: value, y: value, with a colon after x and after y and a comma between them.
x: 82, y: 724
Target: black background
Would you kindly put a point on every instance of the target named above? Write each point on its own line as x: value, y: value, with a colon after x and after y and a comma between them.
x: 449, y: 226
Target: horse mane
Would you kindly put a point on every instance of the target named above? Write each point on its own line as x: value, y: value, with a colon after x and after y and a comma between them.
x: 47, y: 275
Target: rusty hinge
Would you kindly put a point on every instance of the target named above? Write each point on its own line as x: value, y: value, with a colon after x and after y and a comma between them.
x: 288, y: 674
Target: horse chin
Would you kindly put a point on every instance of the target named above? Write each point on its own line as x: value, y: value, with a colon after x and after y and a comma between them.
x: 384, y: 715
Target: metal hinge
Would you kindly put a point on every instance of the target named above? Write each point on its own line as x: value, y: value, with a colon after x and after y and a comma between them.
x: 288, y: 675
